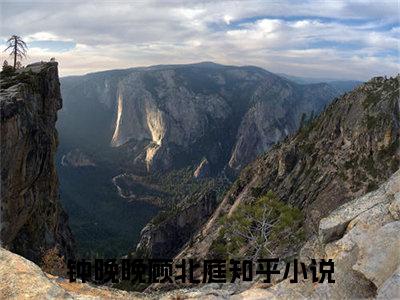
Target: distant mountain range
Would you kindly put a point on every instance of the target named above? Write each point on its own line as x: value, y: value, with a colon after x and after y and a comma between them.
x: 339, y: 84
x: 176, y: 115
x: 308, y: 80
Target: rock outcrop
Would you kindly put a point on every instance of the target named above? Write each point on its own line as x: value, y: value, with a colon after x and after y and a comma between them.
x: 168, y: 233
x: 203, y: 170
x: 366, y: 252
x: 32, y: 219
x: 76, y: 158
x: 22, y: 279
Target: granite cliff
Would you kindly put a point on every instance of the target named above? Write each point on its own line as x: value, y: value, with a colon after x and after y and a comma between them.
x: 361, y: 237
x: 166, y: 117
x: 32, y: 219
x: 178, y: 226
x: 350, y: 149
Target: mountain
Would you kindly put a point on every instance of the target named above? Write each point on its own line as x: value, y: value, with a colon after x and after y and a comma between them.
x: 361, y: 237
x: 308, y: 80
x: 350, y: 149
x: 171, y: 116
x: 151, y: 128
x: 340, y: 85
x: 32, y: 219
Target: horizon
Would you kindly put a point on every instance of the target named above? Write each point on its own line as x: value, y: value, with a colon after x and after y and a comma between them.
x: 212, y: 62
x: 342, y: 40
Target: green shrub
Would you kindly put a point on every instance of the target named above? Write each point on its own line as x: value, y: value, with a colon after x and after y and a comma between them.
x: 372, y: 186
x: 369, y: 165
x: 370, y: 100
x: 7, y: 71
x: 371, y: 122
x: 350, y: 164
x: 259, y: 228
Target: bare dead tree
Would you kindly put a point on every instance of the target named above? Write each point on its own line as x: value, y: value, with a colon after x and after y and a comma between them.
x: 18, y: 48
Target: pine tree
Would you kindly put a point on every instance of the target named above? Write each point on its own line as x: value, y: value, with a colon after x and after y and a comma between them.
x: 18, y: 48
x: 7, y: 70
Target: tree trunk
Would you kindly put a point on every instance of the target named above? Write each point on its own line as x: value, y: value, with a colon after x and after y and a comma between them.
x: 15, y: 53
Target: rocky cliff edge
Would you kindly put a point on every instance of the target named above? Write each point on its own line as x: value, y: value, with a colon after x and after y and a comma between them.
x: 32, y: 219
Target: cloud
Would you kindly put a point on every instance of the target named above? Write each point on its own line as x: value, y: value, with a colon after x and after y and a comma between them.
x: 45, y: 36
x: 344, y: 39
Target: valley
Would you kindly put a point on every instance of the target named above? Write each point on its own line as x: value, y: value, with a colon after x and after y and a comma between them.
x: 138, y: 138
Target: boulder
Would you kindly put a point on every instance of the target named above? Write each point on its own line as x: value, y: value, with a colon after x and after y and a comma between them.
x: 22, y: 279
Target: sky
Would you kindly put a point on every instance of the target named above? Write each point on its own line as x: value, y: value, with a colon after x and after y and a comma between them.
x: 329, y: 39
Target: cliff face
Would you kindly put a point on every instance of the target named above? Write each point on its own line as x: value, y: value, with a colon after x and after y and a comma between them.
x: 169, y: 116
x: 32, y: 219
x: 156, y: 122
x: 351, y: 148
x: 164, y: 238
x: 362, y: 239
x: 277, y: 111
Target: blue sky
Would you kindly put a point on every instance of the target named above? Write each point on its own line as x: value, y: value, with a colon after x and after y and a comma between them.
x: 330, y: 39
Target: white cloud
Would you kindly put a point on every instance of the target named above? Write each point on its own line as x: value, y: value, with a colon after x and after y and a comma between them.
x: 228, y: 19
x: 340, y: 38
x: 45, y: 36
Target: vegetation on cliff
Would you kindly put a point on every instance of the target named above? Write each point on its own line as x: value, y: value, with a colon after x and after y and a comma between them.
x: 260, y: 228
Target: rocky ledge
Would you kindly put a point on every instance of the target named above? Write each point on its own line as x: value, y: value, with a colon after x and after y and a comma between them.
x: 22, y: 279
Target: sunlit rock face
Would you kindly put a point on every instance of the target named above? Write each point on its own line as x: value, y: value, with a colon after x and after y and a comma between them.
x: 170, y: 116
